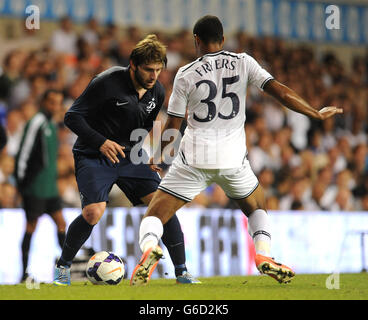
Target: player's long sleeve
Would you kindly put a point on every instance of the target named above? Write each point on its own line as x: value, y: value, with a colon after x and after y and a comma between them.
x: 82, y: 112
x: 78, y: 124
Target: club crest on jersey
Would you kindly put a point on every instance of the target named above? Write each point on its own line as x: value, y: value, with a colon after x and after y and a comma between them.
x: 151, y: 105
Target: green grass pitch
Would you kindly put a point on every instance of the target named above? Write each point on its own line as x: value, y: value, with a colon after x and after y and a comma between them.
x: 303, y: 287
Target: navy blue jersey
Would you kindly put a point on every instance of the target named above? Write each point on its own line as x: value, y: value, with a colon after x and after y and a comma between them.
x: 109, y: 108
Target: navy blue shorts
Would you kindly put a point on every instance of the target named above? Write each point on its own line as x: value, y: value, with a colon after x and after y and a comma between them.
x: 34, y: 207
x: 96, y: 175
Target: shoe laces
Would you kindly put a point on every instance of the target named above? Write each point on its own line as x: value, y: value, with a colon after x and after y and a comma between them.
x: 63, y: 274
x: 187, y: 275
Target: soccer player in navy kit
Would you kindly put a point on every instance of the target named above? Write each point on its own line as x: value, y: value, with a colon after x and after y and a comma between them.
x: 114, y: 104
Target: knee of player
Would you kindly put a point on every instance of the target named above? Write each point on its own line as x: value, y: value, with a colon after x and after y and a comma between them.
x: 248, y: 207
x: 92, y: 214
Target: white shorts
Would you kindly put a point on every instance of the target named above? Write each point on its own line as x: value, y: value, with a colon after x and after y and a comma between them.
x: 185, y: 182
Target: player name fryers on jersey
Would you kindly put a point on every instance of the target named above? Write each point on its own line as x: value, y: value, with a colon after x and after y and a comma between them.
x: 215, y: 65
x: 212, y: 90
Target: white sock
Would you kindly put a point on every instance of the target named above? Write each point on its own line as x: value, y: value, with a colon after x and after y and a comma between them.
x: 259, y: 228
x: 250, y: 230
x: 150, y: 232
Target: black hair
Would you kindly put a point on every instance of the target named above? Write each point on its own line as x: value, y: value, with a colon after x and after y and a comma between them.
x: 209, y: 29
x: 48, y: 92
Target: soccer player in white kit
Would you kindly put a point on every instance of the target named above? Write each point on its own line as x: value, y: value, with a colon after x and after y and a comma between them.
x: 211, y: 92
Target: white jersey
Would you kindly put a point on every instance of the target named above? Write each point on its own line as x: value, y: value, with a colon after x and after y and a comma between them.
x: 212, y: 89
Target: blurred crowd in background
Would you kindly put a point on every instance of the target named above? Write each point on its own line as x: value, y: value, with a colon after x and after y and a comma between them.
x: 301, y: 164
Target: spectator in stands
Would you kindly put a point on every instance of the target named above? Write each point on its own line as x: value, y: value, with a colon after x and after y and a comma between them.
x: 261, y: 155
x: 10, y: 75
x: 22, y: 88
x: 91, y: 33
x: 314, y: 203
x: 266, y: 178
x: 296, y: 198
x: 28, y: 110
x: 14, y: 129
x: 64, y: 39
x: 343, y: 201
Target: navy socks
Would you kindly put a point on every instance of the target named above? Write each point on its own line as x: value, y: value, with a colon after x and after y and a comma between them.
x: 173, y: 239
x: 78, y: 232
x: 25, y: 251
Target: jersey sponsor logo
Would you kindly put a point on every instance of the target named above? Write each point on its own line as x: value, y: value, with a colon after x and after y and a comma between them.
x: 151, y: 105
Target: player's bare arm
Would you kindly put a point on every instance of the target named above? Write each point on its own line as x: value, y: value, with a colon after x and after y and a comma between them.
x: 290, y: 99
x: 171, y: 123
x: 111, y: 149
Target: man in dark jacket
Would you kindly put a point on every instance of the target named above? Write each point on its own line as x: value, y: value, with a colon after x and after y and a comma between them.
x: 115, y: 104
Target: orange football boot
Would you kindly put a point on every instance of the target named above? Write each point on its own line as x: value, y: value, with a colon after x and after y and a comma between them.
x: 143, y: 271
x: 278, y: 271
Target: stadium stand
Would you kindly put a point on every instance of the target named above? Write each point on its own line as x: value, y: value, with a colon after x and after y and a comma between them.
x: 302, y: 164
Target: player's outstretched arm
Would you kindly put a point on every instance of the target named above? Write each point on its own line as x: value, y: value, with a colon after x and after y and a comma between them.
x: 290, y: 99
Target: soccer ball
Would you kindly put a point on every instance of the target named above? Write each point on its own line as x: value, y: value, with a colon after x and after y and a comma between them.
x: 105, y: 268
